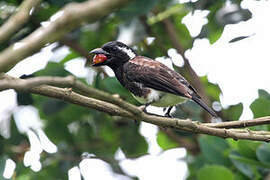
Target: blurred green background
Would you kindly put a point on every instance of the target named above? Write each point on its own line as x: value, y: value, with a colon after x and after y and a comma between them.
x: 76, y: 130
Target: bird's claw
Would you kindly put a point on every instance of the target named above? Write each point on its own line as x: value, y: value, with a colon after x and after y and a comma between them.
x: 168, y: 115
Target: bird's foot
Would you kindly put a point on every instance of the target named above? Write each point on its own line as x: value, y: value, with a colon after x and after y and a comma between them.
x: 168, y: 114
x: 143, y: 108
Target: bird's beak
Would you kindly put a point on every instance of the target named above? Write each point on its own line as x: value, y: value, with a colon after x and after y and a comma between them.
x: 100, y: 57
x: 98, y: 51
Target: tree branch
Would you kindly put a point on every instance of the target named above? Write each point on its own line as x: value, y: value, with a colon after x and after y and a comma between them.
x: 19, y: 84
x: 24, y: 85
x: 115, y: 106
x: 68, y: 95
x: 241, y: 124
x: 65, y: 20
x: 16, y: 21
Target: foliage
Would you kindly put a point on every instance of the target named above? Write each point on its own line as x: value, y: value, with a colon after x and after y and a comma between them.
x: 76, y: 129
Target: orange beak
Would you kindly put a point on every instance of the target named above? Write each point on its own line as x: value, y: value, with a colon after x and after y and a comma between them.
x: 99, y: 58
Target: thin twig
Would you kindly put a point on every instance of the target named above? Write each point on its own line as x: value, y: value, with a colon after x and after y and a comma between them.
x: 241, y: 124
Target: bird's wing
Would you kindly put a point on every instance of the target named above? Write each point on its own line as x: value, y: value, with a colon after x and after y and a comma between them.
x: 155, y: 75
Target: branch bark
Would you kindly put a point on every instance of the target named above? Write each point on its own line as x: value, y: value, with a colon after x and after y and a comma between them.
x: 117, y: 107
x: 241, y: 124
x: 68, y: 95
x: 16, y: 21
x: 65, y: 20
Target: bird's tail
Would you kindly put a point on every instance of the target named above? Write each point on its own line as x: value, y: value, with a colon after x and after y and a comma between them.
x: 199, y: 101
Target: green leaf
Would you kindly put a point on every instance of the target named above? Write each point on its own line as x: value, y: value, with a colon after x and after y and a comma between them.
x: 232, y: 143
x: 263, y: 94
x: 132, y: 143
x: 53, y: 69
x: 52, y: 106
x: 239, y: 176
x: 233, y: 112
x: 43, y: 14
x: 261, y: 107
x: 214, y: 35
x: 214, y: 149
x: 70, y: 56
x: 178, y: 9
x: 263, y: 153
x: 239, y: 38
x: 184, y: 37
x: 136, y: 8
x: 213, y: 90
x: 247, y: 161
x: 165, y: 142
x: 248, y: 148
x: 213, y: 29
x: 214, y: 172
x: 245, y: 165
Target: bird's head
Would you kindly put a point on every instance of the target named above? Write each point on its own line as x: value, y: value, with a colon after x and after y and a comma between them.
x: 112, y: 54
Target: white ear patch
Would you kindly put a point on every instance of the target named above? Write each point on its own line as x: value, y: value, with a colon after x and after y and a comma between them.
x: 128, y: 51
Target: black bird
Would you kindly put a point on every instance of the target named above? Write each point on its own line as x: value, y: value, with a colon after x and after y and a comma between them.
x: 151, y: 82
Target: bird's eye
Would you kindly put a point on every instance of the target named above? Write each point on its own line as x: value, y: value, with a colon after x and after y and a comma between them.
x: 114, y: 49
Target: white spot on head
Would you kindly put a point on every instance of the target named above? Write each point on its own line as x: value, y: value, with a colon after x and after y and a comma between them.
x: 128, y: 51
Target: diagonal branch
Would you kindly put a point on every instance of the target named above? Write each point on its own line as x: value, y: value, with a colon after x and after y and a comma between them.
x: 17, y: 20
x: 20, y: 84
x: 70, y: 17
x: 75, y: 98
x: 117, y: 107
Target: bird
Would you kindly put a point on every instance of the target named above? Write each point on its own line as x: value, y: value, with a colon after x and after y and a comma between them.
x: 149, y: 81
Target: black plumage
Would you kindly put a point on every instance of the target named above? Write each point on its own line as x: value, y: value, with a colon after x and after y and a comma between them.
x: 145, y: 78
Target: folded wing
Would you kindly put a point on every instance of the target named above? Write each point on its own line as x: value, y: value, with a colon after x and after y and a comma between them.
x: 155, y: 75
